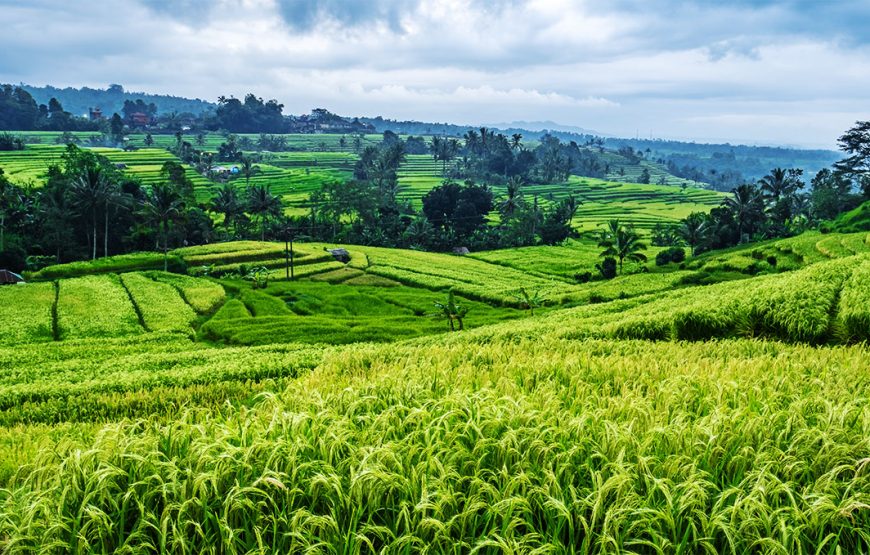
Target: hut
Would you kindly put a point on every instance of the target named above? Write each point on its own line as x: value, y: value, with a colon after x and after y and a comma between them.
x: 10, y: 278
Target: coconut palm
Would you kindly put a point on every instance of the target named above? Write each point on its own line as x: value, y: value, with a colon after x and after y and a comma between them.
x: 248, y: 169
x: 516, y: 141
x: 513, y: 200
x: 747, y: 206
x: 226, y: 202
x: 89, y: 192
x: 163, y: 206
x: 694, y: 230
x: 263, y: 205
x: 622, y: 243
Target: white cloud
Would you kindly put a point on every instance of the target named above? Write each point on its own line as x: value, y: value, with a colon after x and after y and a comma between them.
x: 687, y: 69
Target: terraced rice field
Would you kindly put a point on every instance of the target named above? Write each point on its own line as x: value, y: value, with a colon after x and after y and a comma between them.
x: 583, y: 428
x: 29, y: 166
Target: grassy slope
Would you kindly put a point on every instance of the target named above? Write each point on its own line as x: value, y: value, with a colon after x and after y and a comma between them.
x: 540, y: 440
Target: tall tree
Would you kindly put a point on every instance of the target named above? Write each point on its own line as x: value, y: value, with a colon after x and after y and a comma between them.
x: 163, y: 206
x: 693, y: 230
x: 248, y: 169
x: 226, y: 202
x: 263, y: 205
x: 90, y: 190
x: 747, y: 206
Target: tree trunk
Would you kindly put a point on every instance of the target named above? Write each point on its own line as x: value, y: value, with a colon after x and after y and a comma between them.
x: 106, y: 233
x: 94, y: 222
x: 291, y: 260
x: 3, y: 233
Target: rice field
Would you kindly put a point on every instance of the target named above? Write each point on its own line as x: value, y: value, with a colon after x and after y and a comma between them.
x: 149, y: 411
x: 143, y: 411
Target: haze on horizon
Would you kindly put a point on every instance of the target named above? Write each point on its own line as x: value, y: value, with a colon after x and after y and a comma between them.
x: 789, y: 72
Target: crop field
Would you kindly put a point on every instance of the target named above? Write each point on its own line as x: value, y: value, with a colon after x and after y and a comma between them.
x: 30, y: 165
x: 324, y: 415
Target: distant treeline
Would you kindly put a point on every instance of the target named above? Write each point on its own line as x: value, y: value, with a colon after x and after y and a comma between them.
x: 111, y: 100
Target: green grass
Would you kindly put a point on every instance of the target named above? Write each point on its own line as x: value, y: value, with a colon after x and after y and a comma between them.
x: 322, y: 312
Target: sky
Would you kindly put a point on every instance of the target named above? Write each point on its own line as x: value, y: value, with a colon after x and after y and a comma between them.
x: 789, y: 72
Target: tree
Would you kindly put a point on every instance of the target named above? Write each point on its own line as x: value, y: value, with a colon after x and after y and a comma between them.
x: 747, y: 206
x: 513, y: 199
x: 444, y: 150
x: 89, y: 191
x: 248, y: 169
x: 621, y: 243
x: 226, y: 202
x: 116, y: 128
x: 163, y: 206
x: 263, y: 204
x: 451, y: 311
x: 856, y: 143
x: 516, y: 141
x: 693, y: 230
x: 644, y: 176
x: 149, y: 140
x: 779, y: 188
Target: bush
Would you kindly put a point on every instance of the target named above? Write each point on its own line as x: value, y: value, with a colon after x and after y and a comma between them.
x: 672, y: 254
x: 607, y: 268
x: 771, y: 260
x: 583, y: 277
x: 9, y: 141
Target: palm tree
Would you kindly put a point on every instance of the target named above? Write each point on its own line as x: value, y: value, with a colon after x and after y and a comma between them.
x: 747, y: 205
x: 451, y: 311
x: 162, y: 206
x: 516, y: 141
x: 694, y: 230
x: 779, y: 183
x: 226, y: 202
x: 112, y: 196
x: 779, y: 188
x: 57, y: 214
x: 89, y: 191
x: 263, y: 204
x: 248, y: 169
x: 513, y: 201
x: 622, y: 243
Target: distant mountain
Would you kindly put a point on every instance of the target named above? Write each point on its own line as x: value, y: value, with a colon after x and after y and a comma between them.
x: 538, y: 126
x: 111, y: 100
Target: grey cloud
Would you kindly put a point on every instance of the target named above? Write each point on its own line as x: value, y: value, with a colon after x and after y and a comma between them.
x: 305, y: 15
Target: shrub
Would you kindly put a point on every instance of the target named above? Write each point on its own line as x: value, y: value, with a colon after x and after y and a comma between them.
x: 672, y: 254
x: 583, y: 277
x: 607, y: 268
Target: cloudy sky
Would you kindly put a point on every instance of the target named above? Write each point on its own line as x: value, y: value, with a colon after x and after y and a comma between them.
x: 784, y: 72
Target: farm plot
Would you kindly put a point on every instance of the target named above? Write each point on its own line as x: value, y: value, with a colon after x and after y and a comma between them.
x: 26, y: 313
x: 159, y: 305
x: 95, y: 306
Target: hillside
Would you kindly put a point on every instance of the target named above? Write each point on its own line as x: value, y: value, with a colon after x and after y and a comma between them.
x: 319, y: 159
x: 673, y: 391
x: 111, y: 99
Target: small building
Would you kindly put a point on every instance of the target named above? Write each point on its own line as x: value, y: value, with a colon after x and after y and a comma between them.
x: 340, y: 254
x: 140, y: 119
x: 95, y: 114
x: 461, y: 251
x: 10, y: 278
